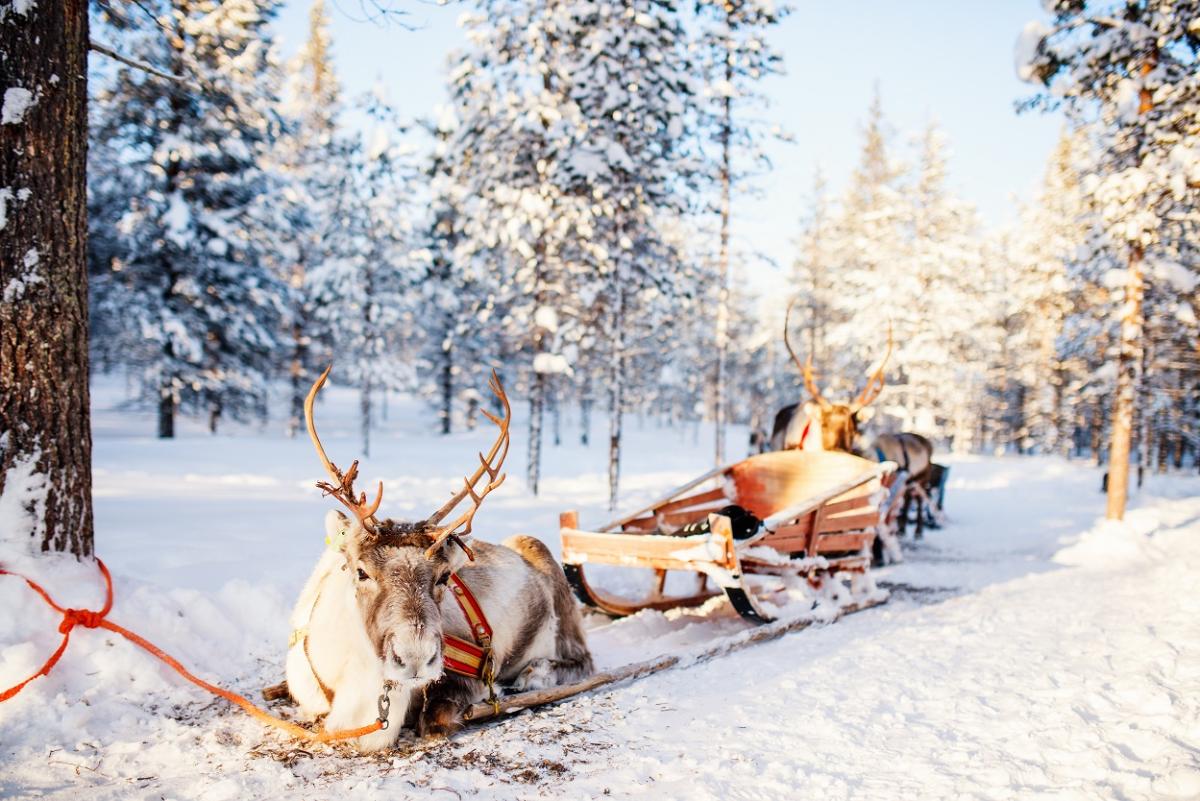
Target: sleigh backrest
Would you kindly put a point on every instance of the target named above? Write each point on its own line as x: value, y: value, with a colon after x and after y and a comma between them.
x: 767, y: 484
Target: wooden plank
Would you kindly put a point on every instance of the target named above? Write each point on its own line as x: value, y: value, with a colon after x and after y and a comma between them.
x: 690, y: 516
x: 862, y: 501
x: 848, y: 522
x: 644, y: 550
x: 717, y: 494
x: 772, y: 631
x: 670, y: 496
x: 642, y: 524
x: 833, y: 543
x: 789, y: 514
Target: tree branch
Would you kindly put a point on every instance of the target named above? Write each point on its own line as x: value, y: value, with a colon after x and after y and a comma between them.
x: 146, y: 68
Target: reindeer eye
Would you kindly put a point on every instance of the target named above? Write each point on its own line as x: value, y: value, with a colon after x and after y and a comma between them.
x: 362, y: 575
x: 442, y: 581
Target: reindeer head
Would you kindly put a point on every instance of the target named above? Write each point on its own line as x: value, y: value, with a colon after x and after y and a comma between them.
x: 400, y: 570
x: 839, y: 422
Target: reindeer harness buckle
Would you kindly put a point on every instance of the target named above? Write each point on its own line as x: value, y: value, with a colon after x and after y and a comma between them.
x: 385, y: 704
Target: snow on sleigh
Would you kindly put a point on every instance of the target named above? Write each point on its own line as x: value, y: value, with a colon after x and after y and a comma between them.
x: 788, y: 513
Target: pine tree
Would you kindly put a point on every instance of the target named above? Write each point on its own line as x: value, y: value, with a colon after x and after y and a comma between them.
x: 937, y: 298
x: 308, y: 156
x: 736, y: 54
x: 189, y: 291
x: 519, y: 225
x: 361, y: 293
x: 1129, y: 72
x: 1047, y: 292
x: 629, y: 66
x: 863, y: 246
x: 815, y: 276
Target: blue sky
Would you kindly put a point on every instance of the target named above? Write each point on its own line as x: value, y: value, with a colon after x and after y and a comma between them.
x: 943, y: 60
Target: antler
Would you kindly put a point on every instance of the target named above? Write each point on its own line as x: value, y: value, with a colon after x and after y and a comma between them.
x: 876, y: 382
x: 342, y: 486
x: 810, y: 382
x: 461, y: 526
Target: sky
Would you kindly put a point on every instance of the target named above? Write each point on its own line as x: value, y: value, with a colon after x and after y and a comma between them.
x: 948, y: 61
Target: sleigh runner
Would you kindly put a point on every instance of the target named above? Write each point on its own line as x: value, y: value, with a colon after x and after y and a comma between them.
x: 820, y: 513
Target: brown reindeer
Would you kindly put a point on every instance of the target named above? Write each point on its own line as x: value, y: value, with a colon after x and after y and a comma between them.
x: 376, y: 626
x: 819, y: 424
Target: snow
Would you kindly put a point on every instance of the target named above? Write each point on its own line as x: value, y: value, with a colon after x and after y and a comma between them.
x: 17, y: 286
x: 17, y: 100
x: 23, y: 502
x: 1027, y: 650
x: 551, y: 364
x: 1026, y: 49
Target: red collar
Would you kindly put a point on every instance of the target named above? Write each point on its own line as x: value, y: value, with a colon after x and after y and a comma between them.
x: 461, y: 656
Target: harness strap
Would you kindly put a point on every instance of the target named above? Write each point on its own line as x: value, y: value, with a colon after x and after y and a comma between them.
x: 804, y: 433
x: 471, y: 659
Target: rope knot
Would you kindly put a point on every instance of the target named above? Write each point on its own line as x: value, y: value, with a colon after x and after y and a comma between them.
x: 80, y: 617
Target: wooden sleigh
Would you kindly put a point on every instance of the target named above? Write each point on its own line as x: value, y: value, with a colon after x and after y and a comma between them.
x: 821, y: 512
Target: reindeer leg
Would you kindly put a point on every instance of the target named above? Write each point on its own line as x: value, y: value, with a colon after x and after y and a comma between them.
x: 920, y: 532
x: 903, y: 521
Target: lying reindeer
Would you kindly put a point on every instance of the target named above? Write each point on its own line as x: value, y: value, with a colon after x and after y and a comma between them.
x: 826, y: 426
x: 376, y: 629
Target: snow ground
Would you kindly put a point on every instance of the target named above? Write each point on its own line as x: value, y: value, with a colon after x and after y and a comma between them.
x: 1027, y: 651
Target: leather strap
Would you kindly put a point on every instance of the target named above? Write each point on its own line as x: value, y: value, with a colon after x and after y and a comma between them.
x: 461, y: 656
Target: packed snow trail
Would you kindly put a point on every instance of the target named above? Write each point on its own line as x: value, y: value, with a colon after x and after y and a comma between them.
x: 1026, y: 652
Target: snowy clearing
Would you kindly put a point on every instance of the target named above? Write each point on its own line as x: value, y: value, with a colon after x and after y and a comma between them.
x: 1026, y: 652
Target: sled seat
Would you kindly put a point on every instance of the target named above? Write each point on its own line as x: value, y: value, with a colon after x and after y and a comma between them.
x: 820, y: 513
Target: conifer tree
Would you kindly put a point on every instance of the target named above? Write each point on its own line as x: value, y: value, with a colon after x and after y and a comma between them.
x: 188, y: 290
x: 735, y: 55
x: 1129, y: 71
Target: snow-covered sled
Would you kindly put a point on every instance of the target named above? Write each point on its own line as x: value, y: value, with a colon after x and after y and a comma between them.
x: 820, y: 513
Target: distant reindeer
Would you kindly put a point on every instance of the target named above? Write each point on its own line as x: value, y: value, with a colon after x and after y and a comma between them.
x: 376, y: 627
x: 818, y: 424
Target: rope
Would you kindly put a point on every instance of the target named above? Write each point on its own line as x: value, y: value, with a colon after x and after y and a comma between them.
x: 99, y: 620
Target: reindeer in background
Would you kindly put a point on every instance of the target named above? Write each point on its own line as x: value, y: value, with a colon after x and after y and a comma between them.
x: 818, y: 424
x: 417, y: 618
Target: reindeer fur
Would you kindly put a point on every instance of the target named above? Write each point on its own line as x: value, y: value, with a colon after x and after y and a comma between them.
x: 352, y: 626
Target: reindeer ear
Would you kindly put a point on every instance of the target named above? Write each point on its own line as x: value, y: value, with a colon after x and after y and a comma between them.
x: 455, y: 555
x: 865, y: 414
x: 337, y: 529
x: 812, y: 409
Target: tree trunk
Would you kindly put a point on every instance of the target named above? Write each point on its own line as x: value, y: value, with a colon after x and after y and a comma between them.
x: 585, y: 420
x: 364, y: 409
x: 536, y: 404
x: 556, y: 413
x: 166, y: 411
x: 719, y: 393
x: 299, y: 391
x: 1128, y: 369
x: 447, y: 388
x: 616, y: 394
x: 46, y: 447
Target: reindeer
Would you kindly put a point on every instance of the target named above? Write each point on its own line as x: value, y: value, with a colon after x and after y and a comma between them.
x: 375, y: 626
x: 836, y: 427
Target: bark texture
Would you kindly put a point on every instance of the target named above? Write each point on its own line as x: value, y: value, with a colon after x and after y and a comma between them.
x: 45, y: 427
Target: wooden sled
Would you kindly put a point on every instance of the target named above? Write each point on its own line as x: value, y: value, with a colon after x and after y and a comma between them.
x: 820, y: 510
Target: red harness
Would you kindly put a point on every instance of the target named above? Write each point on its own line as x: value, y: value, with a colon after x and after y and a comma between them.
x: 471, y: 659
x: 804, y: 433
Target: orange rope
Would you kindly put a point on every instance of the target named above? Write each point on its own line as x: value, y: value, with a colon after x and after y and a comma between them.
x: 97, y: 620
